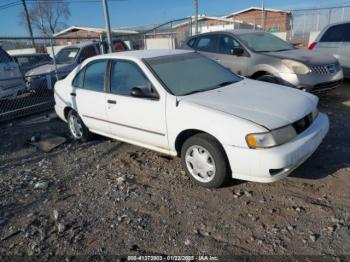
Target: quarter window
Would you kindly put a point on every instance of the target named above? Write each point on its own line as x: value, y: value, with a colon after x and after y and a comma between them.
x: 125, y: 76
x: 94, y: 76
x: 79, y: 79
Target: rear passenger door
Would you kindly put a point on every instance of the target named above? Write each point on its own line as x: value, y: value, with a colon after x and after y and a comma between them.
x: 88, y: 96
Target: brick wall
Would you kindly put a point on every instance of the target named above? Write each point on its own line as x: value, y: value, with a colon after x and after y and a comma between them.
x: 76, y: 34
x: 276, y: 20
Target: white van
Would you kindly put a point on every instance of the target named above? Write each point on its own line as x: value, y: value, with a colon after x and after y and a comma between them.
x: 335, y: 40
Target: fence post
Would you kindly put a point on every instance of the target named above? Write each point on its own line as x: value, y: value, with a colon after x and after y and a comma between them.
x: 54, y: 58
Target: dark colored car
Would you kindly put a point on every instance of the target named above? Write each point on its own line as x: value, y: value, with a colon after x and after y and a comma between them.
x: 29, y: 61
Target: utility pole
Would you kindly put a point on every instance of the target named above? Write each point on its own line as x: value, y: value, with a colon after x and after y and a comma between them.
x: 196, y: 16
x: 108, y: 25
x: 263, y: 14
x: 28, y: 22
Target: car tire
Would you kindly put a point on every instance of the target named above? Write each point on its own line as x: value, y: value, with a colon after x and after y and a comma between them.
x: 205, y: 161
x: 77, y: 128
x: 268, y: 78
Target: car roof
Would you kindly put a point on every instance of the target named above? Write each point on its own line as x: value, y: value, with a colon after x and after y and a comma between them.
x: 21, y: 55
x: 235, y: 31
x: 144, y: 54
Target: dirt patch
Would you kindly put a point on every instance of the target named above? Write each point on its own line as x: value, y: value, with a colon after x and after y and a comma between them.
x: 105, y: 198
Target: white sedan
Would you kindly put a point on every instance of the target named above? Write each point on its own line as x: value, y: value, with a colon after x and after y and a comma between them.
x: 181, y: 103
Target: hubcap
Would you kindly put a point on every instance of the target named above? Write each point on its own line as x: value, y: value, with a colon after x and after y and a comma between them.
x: 75, y: 127
x: 200, y: 163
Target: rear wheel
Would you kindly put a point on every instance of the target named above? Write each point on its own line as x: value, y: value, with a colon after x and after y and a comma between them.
x: 77, y: 128
x: 204, y: 161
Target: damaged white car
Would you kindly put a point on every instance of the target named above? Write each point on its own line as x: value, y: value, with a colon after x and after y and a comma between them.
x: 181, y: 103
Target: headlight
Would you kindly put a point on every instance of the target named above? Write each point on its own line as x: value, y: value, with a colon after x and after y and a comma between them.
x: 270, y: 139
x: 296, y: 67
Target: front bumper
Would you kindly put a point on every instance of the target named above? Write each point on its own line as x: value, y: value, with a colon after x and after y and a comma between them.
x: 312, y: 82
x: 269, y: 165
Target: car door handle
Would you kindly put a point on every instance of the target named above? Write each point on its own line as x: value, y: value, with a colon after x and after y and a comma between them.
x: 111, y: 102
x: 217, y: 60
x: 73, y: 94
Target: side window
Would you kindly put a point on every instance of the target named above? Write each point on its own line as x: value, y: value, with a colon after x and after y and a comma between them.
x: 227, y: 43
x: 335, y: 33
x: 206, y: 43
x: 95, y: 76
x: 347, y: 33
x: 4, y: 57
x: 78, y: 81
x: 87, y: 52
x: 190, y: 43
x: 126, y: 75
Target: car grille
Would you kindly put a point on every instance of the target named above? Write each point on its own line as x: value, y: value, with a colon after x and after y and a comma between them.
x: 302, y: 124
x: 325, y: 69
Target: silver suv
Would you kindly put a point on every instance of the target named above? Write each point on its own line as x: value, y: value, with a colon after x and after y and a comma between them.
x: 263, y: 56
x: 335, y: 40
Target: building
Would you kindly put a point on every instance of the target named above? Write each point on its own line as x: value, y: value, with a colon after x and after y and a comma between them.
x: 79, y: 34
x: 274, y: 20
x: 207, y: 24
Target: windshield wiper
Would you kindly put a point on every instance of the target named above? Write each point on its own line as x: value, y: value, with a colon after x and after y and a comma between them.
x: 226, y: 83
x: 222, y: 84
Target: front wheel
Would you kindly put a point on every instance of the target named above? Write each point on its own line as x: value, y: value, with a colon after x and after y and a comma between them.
x: 204, y: 160
x: 268, y: 78
x: 77, y: 128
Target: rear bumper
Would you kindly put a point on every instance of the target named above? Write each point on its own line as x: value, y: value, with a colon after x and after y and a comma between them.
x: 269, y: 165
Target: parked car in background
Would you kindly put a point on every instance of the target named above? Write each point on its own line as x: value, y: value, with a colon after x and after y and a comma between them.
x: 43, y: 77
x: 181, y: 103
x: 334, y: 39
x: 11, y: 79
x: 66, y: 60
x: 27, y: 62
x: 263, y: 56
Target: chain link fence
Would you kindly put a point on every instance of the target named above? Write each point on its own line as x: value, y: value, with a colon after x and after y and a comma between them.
x: 29, y: 67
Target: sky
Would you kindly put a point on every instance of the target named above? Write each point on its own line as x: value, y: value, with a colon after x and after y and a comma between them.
x: 129, y: 13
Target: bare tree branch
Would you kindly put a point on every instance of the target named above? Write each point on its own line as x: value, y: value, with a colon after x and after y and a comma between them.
x: 48, y: 17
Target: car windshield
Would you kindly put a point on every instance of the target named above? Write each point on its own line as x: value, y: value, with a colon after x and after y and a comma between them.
x: 264, y: 42
x: 67, y: 55
x: 190, y: 73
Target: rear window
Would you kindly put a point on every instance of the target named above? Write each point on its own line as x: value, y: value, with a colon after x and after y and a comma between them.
x: 337, y: 33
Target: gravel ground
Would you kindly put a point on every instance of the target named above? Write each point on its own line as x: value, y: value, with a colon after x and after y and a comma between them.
x: 110, y: 198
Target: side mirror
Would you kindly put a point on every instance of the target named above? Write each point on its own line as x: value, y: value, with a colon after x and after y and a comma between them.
x: 237, y: 51
x: 143, y: 92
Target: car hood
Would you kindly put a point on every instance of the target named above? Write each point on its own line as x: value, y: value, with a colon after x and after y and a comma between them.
x: 269, y: 105
x: 305, y: 56
x: 50, y: 68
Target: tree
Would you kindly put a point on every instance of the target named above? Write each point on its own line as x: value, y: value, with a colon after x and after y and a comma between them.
x: 47, y: 17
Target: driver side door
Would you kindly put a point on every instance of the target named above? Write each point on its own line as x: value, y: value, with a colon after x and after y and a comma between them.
x: 236, y: 63
x: 137, y: 120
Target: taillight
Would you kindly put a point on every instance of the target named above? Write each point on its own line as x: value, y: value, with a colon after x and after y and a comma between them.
x: 312, y: 45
